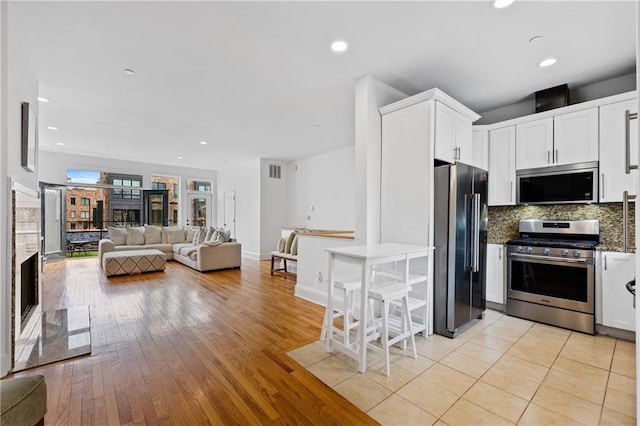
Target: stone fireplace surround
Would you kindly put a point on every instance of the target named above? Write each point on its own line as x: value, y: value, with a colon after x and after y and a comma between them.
x: 26, y: 244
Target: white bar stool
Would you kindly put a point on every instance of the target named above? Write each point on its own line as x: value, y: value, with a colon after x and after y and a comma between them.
x: 401, y: 326
x: 348, y: 288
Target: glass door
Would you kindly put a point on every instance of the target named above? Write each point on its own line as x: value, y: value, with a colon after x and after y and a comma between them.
x: 53, y: 201
x: 199, y: 210
x: 156, y: 207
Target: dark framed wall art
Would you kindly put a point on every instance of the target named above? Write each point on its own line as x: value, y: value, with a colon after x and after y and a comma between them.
x: 29, y: 137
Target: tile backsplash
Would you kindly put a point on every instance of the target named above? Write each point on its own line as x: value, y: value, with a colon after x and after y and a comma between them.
x: 503, y: 220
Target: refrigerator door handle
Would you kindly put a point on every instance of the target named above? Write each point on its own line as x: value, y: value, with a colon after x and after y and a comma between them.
x: 476, y: 233
x: 470, y: 243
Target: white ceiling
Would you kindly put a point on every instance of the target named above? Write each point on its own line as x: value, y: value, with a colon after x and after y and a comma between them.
x: 257, y: 79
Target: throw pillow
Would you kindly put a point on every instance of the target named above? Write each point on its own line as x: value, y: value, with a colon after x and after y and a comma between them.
x: 209, y: 234
x: 196, y: 237
x: 175, y: 236
x: 164, y: 232
x: 224, y: 235
x: 287, y: 247
x: 294, y: 246
x: 118, y: 235
x: 211, y: 243
x: 281, y: 243
x: 135, y: 236
x: 152, y: 234
x: 189, y: 234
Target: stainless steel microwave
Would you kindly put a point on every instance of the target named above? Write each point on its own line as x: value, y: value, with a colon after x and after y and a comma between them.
x: 572, y: 183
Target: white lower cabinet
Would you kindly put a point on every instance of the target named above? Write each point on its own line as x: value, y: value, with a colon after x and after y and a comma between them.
x: 495, y: 274
x: 617, y: 303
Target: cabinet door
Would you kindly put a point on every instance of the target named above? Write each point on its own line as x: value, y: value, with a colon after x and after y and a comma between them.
x: 617, y: 302
x: 502, y: 157
x: 534, y: 144
x: 495, y: 273
x: 575, y: 137
x: 445, y: 148
x: 480, y: 148
x: 613, y: 180
x: 463, y: 139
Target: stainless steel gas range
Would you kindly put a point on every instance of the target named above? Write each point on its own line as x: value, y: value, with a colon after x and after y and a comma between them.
x: 551, y: 273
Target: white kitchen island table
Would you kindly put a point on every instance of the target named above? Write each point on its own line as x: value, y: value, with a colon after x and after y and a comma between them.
x: 367, y: 257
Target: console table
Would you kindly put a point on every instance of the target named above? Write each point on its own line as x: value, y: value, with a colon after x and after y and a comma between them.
x: 368, y: 256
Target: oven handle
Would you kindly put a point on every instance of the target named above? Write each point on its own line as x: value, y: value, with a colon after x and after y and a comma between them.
x: 557, y: 259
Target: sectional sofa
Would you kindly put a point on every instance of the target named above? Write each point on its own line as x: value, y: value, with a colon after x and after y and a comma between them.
x: 203, y: 249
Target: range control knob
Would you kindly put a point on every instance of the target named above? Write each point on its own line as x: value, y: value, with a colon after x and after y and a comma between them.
x: 564, y: 252
x: 519, y: 248
x: 576, y: 253
x: 529, y: 249
x: 546, y: 250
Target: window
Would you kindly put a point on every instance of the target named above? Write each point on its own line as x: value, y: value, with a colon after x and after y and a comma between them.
x: 126, y: 182
x: 84, y: 215
x: 200, y: 186
x: 158, y: 185
x: 83, y: 176
x: 72, y: 214
x: 84, y: 201
x: 175, y: 189
x: 126, y: 216
x: 72, y: 201
x: 73, y: 225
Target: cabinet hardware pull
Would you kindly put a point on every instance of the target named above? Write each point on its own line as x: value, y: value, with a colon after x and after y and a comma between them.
x: 548, y: 156
x: 628, y: 116
x: 499, y: 253
x: 626, y: 197
x: 511, y: 190
x: 556, y: 155
x: 605, y: 262
x: 602, y: 178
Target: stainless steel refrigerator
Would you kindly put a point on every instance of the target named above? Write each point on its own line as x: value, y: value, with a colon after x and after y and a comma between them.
x: 460, y: 237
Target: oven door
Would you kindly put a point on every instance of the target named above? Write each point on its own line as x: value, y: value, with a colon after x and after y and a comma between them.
x: 566, y: 283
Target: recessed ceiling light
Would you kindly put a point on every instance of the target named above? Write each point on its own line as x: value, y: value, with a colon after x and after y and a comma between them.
x: 52, y: 128
x: 179, y: 158
x: 203, y: 142
x: 547, y: 62
x: 499, y: 4
x: 339, y: 46
x: 59, y: 143
x: 43, y: 99
x: 129, y: 71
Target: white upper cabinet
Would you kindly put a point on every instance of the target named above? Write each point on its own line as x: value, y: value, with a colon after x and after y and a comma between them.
x: 575, y: 137
x: 480, y: 147
x: 502, y: 159
x: 453, y: 135
x: 534, y: 144
x: 553, y: 141
x: 617, y: 302
x: 613, y: 134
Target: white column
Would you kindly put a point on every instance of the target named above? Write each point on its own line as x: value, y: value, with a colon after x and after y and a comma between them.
x: 370, y: 94
x: 5, y: 287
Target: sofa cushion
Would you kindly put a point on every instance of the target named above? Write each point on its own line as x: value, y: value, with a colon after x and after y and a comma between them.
x: 164, y: 232
x: 185, y: 250
x: 126, y: 247
x: 118, y: 235
x: 287, y: 247
x: 178, y: 246
x: 152, y: 234
x: 190, y: 232
x: 135, y: 236
x: 211, y: 243
x: 209, y: 233
x: 165, y: 248
x: 294, y: 246
x: 175, y: 235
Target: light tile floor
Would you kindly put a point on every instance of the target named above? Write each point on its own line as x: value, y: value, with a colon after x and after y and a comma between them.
x: 503, y: 370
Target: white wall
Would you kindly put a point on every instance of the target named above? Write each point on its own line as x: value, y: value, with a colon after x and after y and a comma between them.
x: 326, y: 183
x: 53, y: 169
x: 18, y: 83
x: 589, y: 92
x: 370, y: 95
x: 274, y: 206
x: 245, y: 180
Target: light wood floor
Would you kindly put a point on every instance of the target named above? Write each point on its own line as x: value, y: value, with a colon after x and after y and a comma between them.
x: 183, y: 347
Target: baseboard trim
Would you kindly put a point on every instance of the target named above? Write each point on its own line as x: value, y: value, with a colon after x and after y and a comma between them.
x: 251, y: 255
x: 311, y: 294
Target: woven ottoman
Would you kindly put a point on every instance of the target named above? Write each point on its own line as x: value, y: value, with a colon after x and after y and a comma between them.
x: 133, y: 262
